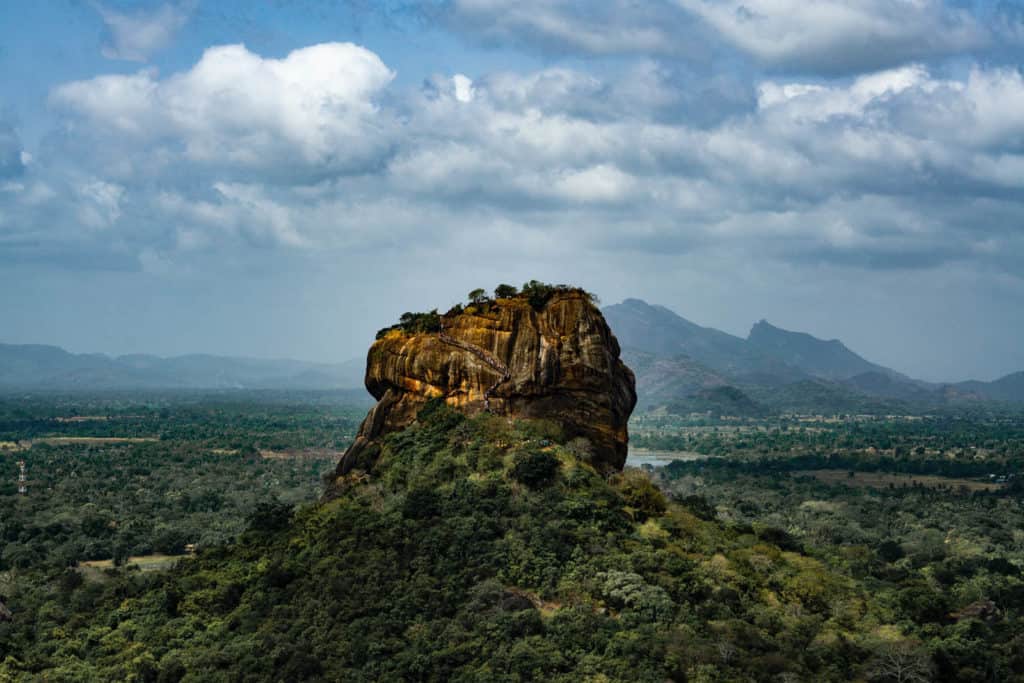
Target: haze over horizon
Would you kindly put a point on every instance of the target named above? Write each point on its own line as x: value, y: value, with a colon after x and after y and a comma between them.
x: 282, y: 181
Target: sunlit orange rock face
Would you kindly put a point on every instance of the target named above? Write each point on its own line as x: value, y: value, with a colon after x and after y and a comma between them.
x: 559, y: 363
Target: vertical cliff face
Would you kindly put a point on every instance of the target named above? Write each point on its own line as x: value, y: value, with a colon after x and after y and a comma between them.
x: 558, y: 362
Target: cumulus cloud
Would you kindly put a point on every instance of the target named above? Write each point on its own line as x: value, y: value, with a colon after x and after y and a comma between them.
x: 312, y: 112
x: 637, y: 166
x: 898, y: 169
x: 134, y: 36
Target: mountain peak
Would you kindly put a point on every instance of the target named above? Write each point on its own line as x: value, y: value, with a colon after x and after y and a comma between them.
x: 827, y: 358
x: 763, y: 327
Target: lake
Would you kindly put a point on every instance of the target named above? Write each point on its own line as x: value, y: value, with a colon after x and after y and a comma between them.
x: 639, y: 457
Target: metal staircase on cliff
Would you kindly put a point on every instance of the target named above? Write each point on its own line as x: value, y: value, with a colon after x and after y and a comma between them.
x: 483, y: 355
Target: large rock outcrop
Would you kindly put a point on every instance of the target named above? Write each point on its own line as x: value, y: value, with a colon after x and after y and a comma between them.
x: 558, y: 362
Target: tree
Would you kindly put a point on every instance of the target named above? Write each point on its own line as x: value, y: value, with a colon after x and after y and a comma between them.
x: 537, y: 293
x: 504, y: 291
x: 535, y: 469
x: 477, y: 296
x: 903, y: 663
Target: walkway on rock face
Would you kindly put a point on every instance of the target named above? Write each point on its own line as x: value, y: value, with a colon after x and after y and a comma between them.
x: 486, y: 357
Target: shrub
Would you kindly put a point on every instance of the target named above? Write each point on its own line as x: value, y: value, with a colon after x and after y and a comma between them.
x: 643, y: 499
x: 269, y: 517
x: 535, y: 469
x: 415, y: 323
x: 700, y: 506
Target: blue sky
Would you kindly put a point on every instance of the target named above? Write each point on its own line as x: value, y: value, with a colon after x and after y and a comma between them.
x: 283, y: 178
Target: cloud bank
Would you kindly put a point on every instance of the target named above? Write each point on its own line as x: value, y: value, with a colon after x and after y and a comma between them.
x: 317, y: 150
x: 797, y: 152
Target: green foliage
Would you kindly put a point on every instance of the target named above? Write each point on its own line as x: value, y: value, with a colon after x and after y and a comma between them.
x: 536, y: 293
x: 630, y: 592
x: 535, y: 469
x: 197, y: 482
x: 699, y: 506
x: 415, y: 323
x: 505, y: 292
x: 456, y: 560
x: 718, y: 401
x: 643, y: 499
x: 477, y: 550
x: 942, y: 563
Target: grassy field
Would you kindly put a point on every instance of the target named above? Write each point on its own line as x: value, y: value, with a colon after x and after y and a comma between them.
x: 302, y: 454
x: 98, y: 440
x: 94, y: 569
x: 884, y: 480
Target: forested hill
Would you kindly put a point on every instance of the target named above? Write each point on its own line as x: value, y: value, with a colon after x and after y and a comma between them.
x: 479, y: 549
x: 39, y: 367
x: 1008, y: 388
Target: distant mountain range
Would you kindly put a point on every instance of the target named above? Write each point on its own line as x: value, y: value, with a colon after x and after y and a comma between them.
x: 687, y: 367
x: 39, y: 367
x: 679, y: 365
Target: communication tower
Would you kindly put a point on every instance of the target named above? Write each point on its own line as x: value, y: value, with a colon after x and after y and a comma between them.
x: 22, y: 478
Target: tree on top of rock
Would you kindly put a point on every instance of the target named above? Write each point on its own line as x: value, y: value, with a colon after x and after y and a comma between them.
x: 504, y: 291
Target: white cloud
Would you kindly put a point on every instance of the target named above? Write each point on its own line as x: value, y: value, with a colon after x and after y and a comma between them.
x: 812, y: 36
x: 842, y: 35
x: 100, y: 203
x: 610, y: 27
x: 314, y: 109
x: 819, y: 102
x: 135, y: 36
x: 603, y: 182
x: 463, y: 88
x: 895, y: 169
x: 864, y: 170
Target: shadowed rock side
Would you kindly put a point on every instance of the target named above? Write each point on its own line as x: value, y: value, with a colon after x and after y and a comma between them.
x: 560, y: 363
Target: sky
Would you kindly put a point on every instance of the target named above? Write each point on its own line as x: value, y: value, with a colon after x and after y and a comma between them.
x: 282, y: 178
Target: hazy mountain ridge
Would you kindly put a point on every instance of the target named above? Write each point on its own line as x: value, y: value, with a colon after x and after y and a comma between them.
x: 676, y: 360
x: 1008, y: 388
x: 826, y: 359
x: 41, y: 367
x: 658, y: 330
x: 661, y: 376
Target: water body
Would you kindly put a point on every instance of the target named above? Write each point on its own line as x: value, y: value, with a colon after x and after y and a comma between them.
x: 638, y: 457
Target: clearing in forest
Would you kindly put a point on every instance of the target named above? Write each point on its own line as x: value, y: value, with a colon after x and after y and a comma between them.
x: 93, y: 569
x: 885, y: 480
x: 66, y: 440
